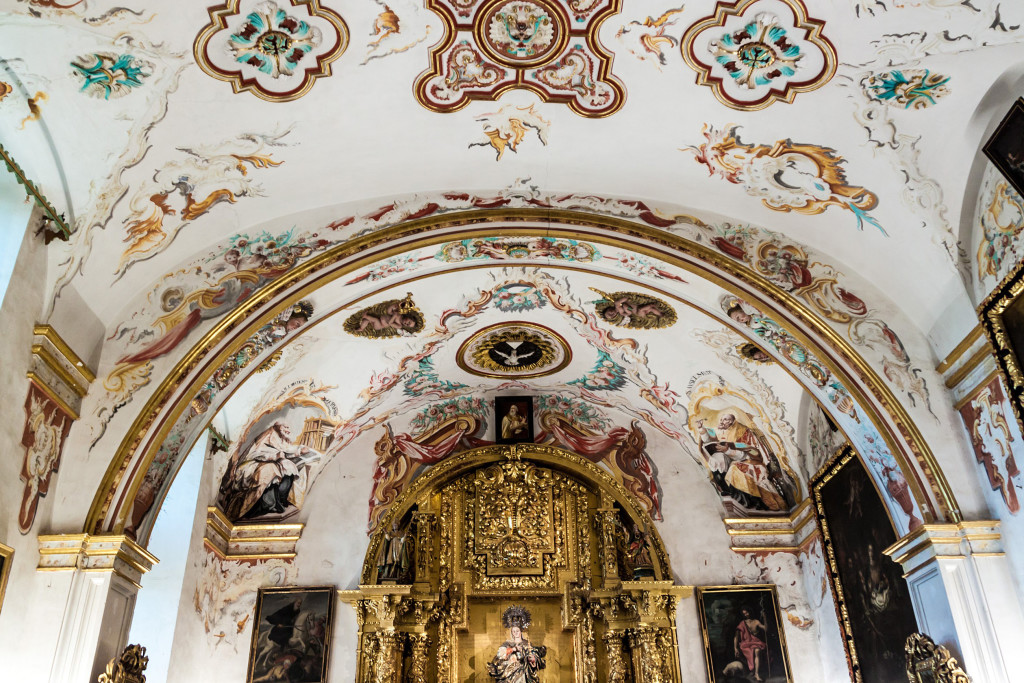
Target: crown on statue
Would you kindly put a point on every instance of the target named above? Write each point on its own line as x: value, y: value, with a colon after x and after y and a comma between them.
x: 406, y: 304
x: 516, y: 615
x: 303, y: 308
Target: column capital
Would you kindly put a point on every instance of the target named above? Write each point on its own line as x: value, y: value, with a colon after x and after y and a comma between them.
x: 114, y: 553
x: 945, y: 542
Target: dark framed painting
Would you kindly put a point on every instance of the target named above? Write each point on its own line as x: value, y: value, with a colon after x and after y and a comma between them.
x: 1002, y: 319
x: 291, y: 635
x: 513, y: 419
x: 6, y: 555
x: 876, y: 615
x: 1005, y: 149
x: 743, y: 637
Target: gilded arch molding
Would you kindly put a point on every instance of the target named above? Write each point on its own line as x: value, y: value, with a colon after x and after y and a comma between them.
x: 137, y: 450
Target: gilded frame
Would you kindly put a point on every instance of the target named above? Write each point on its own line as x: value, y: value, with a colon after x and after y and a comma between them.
x: 842, y: 457
x: 6, y: 558
x: 1014, y: 117
x: 1000, y: 330
x: 327, y: 592
x: 774, y: 614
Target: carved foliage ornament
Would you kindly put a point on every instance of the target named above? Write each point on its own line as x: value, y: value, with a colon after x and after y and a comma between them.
x: 755, y: 52
x: 271, y: 48
x: 514, y: 518
x: 128, y: 668
x: 549, y: 47
x: 931, y: 663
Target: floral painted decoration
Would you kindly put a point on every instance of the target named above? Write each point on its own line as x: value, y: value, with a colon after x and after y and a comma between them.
x: 550, y: 47
x: 108, y: 75
x: 518, y: 298
x: 272, y: 49
x: 756, y: 52
x: 907, y: 88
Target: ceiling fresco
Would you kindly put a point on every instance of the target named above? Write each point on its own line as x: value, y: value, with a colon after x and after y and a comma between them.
x: 241, y: 180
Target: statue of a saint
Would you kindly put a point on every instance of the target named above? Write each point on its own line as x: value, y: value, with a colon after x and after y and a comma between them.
x: 517, y: 660
x: 395, y: 560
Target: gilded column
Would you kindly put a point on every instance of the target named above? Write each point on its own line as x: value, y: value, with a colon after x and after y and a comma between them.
x: 647, y: 660
x: 608, y: 526
x: 420, y: 646
x: 389, y: 657
x: 424, y: 523
x: 618, y: 666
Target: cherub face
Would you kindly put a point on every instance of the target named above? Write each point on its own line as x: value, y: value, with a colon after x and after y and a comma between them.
x: 295, y: 322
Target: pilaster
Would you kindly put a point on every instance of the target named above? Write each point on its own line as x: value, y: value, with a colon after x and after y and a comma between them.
x: 959, y: 581
x: 107, y: 573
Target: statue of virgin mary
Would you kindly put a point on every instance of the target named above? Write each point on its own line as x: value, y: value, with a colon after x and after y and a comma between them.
x: 517, y: 660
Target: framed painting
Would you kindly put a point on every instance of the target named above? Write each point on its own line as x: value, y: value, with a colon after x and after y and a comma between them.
x: 876, y: 615
x: 743, y: 637
x: 6, y: 555
x: 291, y: 634
x: 1002, y: 319
x: 1005, y: 149
x: 513, y: 419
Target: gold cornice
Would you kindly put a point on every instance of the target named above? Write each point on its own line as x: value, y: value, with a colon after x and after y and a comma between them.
x: 710, y: 265
x: 974, y: 361
x: 72, y: 382
x: 51, y: 394
x: 960, y: 349
x: 47, y: 332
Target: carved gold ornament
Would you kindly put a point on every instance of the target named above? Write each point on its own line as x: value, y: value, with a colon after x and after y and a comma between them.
x: 931, y: 663
x: 519, y: 350
x: 517, y: 537
x: 128, y: 668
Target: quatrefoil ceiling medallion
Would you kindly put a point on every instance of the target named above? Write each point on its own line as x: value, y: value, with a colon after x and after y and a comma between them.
x: 755, y: 52
x: 547, y: 46
x: 274, y: 49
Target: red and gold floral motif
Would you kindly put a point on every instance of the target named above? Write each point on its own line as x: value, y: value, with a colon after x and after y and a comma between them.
x: 546, y: 46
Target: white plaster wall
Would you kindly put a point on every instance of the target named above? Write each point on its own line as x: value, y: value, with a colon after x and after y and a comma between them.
x: 33, y: 607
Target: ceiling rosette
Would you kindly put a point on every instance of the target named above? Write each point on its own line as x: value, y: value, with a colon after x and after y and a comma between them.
x: 753, y: 53
x: 275, y: 50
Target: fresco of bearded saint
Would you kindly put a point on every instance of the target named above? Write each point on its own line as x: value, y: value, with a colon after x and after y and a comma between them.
x: 517, y: 660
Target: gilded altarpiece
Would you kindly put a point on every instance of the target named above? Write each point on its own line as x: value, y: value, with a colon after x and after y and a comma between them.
x: 528, y: 563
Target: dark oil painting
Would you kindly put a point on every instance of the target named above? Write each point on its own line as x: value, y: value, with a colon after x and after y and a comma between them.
x: 513, y: 419
x: 743, y: 637
x: 291, y: 638
x: 1005, y: 148
x: 869, y: 583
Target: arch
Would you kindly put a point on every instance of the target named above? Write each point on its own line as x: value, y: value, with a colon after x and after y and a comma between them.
x: 551, y: 457
x: 139, y: 447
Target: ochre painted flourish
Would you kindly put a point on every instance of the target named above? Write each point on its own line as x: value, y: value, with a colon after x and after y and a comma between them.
x: 547, y: 46
x: 275, y: 50
x: 755, y: 52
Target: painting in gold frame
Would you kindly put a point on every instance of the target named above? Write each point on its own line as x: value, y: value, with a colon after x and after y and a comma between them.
x: 501, y: 632
x: 6, y: 555
x: 291, y: 634
x: 743, y: 634
x: 1002, y: 319
x: 871, y: 596
x: 1005, y: 149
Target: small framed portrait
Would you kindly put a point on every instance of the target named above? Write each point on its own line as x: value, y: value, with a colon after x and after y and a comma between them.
x: 6, y: 555
x: 743, y: 637
x: 291, y: 636
x: 1005, y: 148
x: 513, y: 419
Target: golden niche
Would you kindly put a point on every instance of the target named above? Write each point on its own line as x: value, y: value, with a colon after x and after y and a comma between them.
x: 516, y: 564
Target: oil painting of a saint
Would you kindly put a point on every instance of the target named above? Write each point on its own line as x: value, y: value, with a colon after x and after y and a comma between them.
x: 513, y: 419
x: 517, y: 660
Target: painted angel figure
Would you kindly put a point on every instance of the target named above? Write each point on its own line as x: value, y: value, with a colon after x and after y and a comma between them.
x: 517, y: 660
